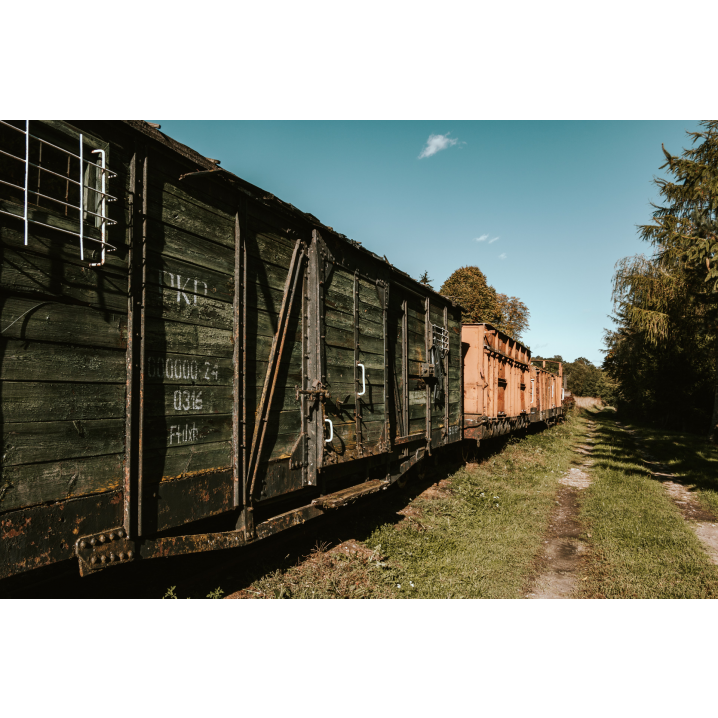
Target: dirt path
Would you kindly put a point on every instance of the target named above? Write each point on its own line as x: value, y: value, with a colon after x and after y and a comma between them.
x: 703, y: 522
x: 557, y: 566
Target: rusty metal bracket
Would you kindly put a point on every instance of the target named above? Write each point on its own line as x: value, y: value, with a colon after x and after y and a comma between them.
x: 194, y: 543
x: 426, y: 370
x: 348, y: 496
x: 298, y: 457
x: 202, y: 172
x: 324, y: 251
x: 109, y: 548
x: 314, y: 394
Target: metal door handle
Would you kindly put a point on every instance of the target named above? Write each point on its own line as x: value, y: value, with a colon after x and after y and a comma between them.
x: 363, y: 380
x: 331, y: 431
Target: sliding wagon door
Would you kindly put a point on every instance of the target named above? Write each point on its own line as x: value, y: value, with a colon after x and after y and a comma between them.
x: 355, y: 315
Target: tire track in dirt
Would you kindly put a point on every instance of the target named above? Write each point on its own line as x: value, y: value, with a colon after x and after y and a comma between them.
x: 557, y: 566
x: 703, y: 522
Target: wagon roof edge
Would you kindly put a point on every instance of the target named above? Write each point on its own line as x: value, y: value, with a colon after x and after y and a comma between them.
x: 263, y: 195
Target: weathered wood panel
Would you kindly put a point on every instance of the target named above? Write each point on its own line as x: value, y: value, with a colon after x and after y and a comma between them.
x: 184, y: 278
x: 22, y: 360
x: 174, y: 503
x: 32, y: 442
x: 175, y: 212
x: 190, y: 308
x: 45, y: 242
x: 25, y: 273
x: 40, y: 401
x: 181, y: 338
x: 177, y: 245
x: 186, y: 460
x: 32, y: 484
x: 50, y: 321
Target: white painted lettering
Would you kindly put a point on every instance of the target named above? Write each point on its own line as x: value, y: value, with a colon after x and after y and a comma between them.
x: 180, y: 290
x: 196, y: 283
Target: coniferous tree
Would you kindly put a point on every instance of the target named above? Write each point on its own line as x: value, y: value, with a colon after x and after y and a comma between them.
x: 426, y: 280
x: 670, y: 300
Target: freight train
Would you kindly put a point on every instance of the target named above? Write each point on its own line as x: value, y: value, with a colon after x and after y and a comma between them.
x: 177, y: 344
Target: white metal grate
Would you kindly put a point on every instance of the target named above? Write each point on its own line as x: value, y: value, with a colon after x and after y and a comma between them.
x: 83, y: 211
x: 440, y: 338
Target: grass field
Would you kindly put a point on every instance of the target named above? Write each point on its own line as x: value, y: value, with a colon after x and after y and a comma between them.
x: 640, y: 546
x: 479, y: 531
x: 476, y: 535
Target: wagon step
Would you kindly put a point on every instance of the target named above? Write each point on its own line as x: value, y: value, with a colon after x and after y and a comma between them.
x: 347, y: 496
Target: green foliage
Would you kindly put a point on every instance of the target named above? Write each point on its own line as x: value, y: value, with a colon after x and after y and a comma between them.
x: 513, y: 315
x: 662, y: 352
x: 481, y: 303
x: 583, y: 378
x: 426, y: 280
x: 217, y: 593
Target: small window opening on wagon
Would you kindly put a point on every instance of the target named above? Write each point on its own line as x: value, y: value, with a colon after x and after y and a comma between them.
x: 57, y: 177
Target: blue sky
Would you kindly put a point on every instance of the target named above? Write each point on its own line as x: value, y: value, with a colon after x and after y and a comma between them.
x: 556, y: 203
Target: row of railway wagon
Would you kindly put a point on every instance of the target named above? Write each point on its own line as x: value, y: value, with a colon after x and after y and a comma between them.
x: 178, y: 344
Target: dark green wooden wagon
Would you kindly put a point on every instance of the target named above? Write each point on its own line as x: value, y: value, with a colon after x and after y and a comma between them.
x: 178, y: 344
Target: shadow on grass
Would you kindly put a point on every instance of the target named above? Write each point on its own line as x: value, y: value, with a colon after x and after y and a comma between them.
x: 196, y: 575
x: 690, y: 457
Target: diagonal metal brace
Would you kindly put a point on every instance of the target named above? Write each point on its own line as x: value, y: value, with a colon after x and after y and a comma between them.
x: 275, y: 360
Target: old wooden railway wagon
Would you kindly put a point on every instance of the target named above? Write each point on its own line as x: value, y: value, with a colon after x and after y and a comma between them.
x: 178, y: 344
x: 503, y: 390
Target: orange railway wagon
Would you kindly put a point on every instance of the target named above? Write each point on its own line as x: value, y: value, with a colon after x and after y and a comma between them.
x: 503, y: 391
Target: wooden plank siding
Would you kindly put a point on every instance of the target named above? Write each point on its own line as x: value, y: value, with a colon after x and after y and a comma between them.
x: 129, y: 381
x: 62, y: 361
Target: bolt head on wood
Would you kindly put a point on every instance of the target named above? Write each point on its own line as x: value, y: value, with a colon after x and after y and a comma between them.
x: 103, y: 538
x: 93, y: 541
x: 112, y: 536
x: 93, y: 560
x: 130, y: 554
x: 103, y: 559
x: 83, y: 544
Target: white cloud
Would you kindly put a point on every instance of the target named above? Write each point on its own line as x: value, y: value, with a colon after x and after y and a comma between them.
x: 436, y: 143
x: 491, y: 241
x: 502, y: 255
x: 482, y: 238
